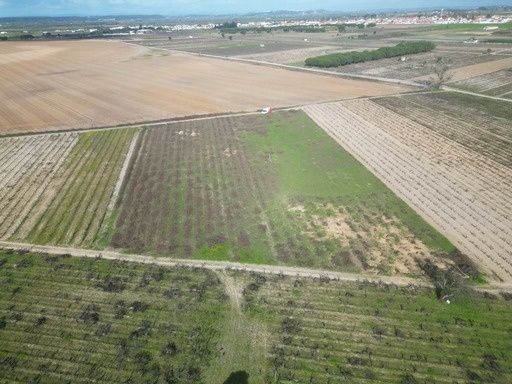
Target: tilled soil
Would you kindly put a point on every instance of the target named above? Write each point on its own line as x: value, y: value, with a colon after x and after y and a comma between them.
x: 81, y: 84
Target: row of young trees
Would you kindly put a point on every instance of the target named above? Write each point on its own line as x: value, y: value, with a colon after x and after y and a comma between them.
x: 339, y: 59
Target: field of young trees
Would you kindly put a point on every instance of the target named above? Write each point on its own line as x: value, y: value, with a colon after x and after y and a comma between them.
x: 58, y: 188
x: 481, y: 125
x: 266, y: 189
x: 68, y: 319
x: 75, y: 320
x: 464, y: 193
x: 331, y: 332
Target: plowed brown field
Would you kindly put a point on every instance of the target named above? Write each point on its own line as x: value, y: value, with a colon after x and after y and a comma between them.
x: 81, y: 84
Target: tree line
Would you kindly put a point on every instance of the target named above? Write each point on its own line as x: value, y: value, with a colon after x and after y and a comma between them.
x: 345, y: 58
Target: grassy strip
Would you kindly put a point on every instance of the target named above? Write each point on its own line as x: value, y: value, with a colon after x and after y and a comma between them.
x: 346, y: 58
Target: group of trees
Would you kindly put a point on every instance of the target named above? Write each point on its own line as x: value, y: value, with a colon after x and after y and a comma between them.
x: 339, y: 59
x: 232, y: 28
x: 225, y: 29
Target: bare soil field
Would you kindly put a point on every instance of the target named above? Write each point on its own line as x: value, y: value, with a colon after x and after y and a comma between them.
x: 419, y: 67
x: 79, y: 84
x: 493, y: 84
x: 463, y: 193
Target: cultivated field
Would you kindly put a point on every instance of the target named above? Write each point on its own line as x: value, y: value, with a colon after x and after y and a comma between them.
x: 419, y: 67
x: 493, y: 84
x: 481, y: 125
x: 461, y: 191
x: 327, y: 332
x: 66, y: 319
x: 58, y: 188
x: 266, y: 190
x: 77, y: 84
x: 85, y: 320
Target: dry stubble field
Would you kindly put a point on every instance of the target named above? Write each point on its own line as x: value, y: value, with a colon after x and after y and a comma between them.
x: 447, y: 176
x: 81, y: 84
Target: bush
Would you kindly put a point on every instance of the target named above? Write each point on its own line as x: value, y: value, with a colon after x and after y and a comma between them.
x: 40, y: 321
x: 346, y: 58
x: 447, y: 282
x: 290, y: 325
x: 90, y: 315
x: 408, y: 379
x: 112, y: 284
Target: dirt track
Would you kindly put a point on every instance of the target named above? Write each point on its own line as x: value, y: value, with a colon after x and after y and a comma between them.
x: 212, y: 265
x: 80, y: 84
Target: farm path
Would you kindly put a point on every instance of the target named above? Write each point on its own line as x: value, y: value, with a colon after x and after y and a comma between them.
x: 446, y: 88
x: 213, y: 265
x: 222, y: 266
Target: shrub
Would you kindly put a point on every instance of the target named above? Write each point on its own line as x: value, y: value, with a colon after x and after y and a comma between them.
x: 40, y: 321
x: 90, y: 315
x: 408, y: 379
x: 139, y: 306
x: 346, y: 58
x: 170, y: 349
x: 112, y: 284
x: 290, y: 325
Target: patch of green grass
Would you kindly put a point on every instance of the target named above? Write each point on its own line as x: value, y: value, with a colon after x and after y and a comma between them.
x: 310, y: 167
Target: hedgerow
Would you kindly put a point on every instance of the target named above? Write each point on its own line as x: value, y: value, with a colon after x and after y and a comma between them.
x: 345, y: 58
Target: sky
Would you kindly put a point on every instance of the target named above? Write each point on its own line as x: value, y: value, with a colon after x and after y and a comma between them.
x: 10, y: 8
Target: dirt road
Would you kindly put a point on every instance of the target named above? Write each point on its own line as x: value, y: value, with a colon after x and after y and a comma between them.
x: 213, y: 265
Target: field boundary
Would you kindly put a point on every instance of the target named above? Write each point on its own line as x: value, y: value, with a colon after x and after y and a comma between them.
x: 278, y: 270
x: 213, y: 265
x: 451, y: 89
x: 183, y: 119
